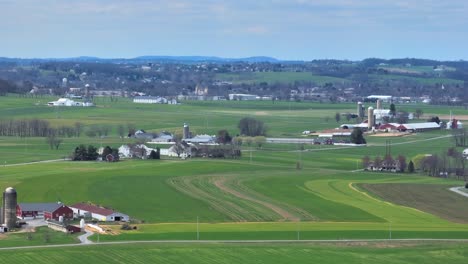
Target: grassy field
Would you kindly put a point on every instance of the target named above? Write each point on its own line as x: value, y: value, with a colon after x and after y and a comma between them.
x: 384, y: 252
x: 41, y: 236
x: 278, y: 77
x: 259, y: 196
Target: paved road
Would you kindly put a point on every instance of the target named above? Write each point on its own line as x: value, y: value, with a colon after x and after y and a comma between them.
x: 84, y: 238
x: 237, y: 242
x: 456, y: 190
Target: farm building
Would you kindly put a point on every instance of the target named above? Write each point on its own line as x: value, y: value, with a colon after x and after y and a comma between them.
x: 62, y: 227
x: 64, y: 102
x: 411, y: 127
x: 384, y: 98
x: 418, y: 127
x: 43, y: 210
x: 149, y: 100
x: 243, y: 97
x: 98, y: 213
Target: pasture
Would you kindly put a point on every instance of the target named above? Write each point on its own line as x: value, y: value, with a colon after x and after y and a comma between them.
x: 259, y: 196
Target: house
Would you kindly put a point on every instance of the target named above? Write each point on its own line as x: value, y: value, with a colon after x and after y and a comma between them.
x: 43, y: 210
x: 385, y: 165
x: 98, y: 213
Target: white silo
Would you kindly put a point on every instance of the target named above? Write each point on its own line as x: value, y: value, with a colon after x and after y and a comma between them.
x: 9, y: 208
x: 370, y: 118
x: 82, y: 224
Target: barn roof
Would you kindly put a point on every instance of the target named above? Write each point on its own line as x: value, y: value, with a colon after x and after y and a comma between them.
x: 40, y: 207
x: 93, y: 209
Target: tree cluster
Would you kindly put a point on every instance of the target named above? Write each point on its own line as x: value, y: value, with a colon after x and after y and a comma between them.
x: 252, y: 127
x: 217, y: 151
x: 449, y: 163
x: 357, y: 136
x: 36, y: 128
x: 83, y: 153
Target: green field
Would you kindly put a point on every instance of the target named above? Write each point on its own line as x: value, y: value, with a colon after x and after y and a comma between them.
x: 259, y: 196
x: 278, y: 77
x: 382, y: 252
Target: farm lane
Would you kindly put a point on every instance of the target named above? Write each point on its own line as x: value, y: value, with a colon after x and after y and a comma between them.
x: 456, y: 190
x: 333, y: 241
x: 33, y: 162
x: 84, y: 238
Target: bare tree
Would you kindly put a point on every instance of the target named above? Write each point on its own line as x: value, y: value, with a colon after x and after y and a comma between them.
x: 121, y: 131
x: 78, y: 128
x: 52, y: 139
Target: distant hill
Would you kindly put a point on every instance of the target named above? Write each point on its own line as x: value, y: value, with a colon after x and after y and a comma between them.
x: 180, y: 59
x: 205, y: 59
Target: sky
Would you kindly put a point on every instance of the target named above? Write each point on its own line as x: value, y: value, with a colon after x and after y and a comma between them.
x: 284, y: 29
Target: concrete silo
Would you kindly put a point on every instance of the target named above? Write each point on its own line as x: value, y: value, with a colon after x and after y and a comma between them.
x: 360, y: 110
x: 379, y: 104
x: 370, y: 118
x: 9, y: 208
x: 186, y: 133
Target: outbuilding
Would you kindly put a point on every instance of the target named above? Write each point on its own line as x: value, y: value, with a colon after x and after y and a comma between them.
x: 98, y: 213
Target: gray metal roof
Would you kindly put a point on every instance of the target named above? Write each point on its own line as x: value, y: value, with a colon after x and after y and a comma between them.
x: 41, y: 207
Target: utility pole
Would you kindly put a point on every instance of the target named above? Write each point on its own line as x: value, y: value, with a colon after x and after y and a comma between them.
x: 198, y: 230
x: 298, y: 230
x: 390, y: 231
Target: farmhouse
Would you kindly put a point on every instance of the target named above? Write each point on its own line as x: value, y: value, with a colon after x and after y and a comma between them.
x: 385, y: 165
x: 98, y: 213
x: 43, y: 210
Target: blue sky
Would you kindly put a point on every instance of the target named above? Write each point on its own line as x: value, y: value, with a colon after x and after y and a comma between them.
x: 294, y: 29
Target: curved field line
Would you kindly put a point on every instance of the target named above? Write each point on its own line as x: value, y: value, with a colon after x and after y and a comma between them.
x: 220, y: 183
x: 228, y: 196
x: 300, y: 213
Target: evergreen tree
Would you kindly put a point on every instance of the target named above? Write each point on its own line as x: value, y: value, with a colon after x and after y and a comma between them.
x: 411, y: 167
x: 357, y: 137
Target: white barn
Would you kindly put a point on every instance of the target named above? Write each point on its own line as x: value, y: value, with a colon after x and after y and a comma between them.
x: 98, y: 213
x: 150, y: 100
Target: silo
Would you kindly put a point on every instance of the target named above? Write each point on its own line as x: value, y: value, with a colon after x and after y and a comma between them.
x: 186, y: 133
x: 379, y: 104
x: 370, y: 118
x: 360, y: 110
x: 9, y: 208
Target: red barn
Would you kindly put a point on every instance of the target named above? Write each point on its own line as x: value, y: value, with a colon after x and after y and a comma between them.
x: 43, y: 210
